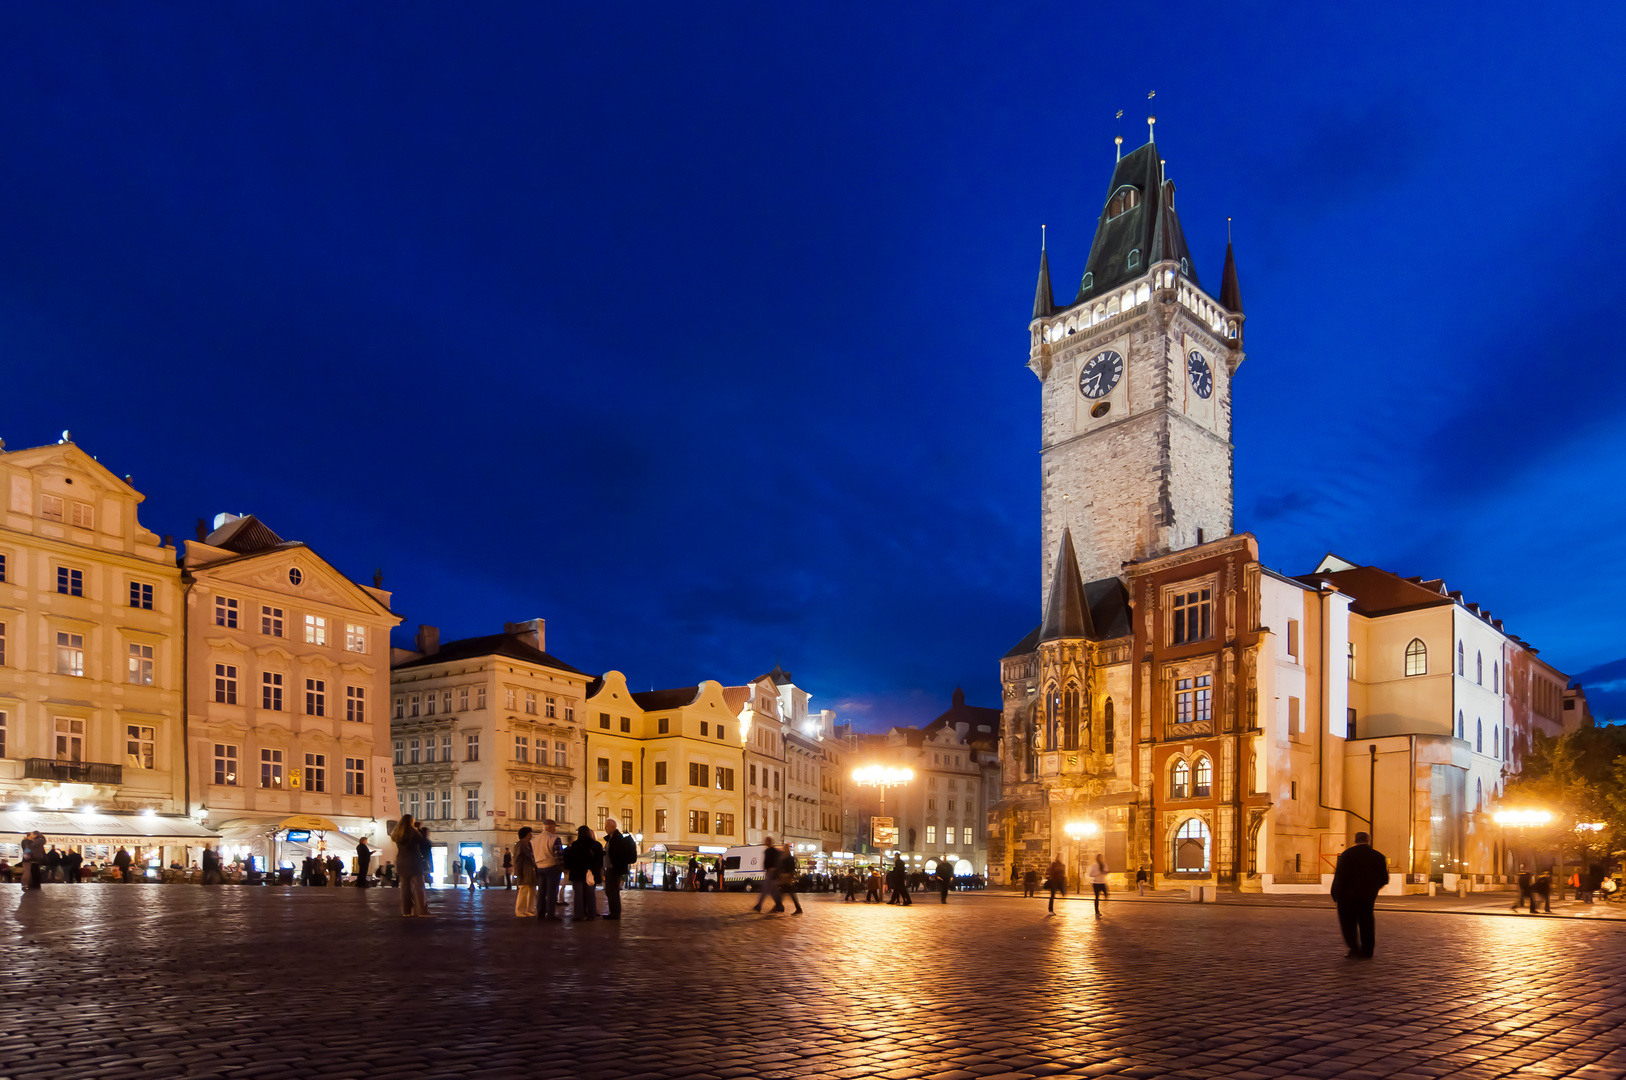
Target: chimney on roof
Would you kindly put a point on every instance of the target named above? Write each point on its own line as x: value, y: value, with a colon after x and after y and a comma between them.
x: 531, y: 631
x: 202, y: 528
x: 428, y: 639
x: 378, y: 579
x: 959, y: 698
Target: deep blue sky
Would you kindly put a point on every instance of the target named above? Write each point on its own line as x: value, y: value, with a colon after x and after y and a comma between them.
x: 700, y: 330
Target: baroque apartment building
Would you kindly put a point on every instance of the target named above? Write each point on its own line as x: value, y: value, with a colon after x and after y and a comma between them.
x: 1184, y: 708
x: 486, y: 735
x: 669, y: 765
x: 91, y: 643
x: 288, y: 682
x: 940, y: 813
x: 760, y: 710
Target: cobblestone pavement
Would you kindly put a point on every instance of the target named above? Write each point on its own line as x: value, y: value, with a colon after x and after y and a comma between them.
x: 172, y: 981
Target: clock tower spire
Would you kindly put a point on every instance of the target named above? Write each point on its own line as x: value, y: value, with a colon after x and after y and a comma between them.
x: 1137, y: 374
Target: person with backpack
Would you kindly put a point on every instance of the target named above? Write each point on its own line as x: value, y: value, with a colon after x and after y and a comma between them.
x: 549, y: 849
x: 620, y: 853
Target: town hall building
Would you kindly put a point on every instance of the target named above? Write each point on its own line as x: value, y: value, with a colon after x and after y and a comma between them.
x: 1181, y: 707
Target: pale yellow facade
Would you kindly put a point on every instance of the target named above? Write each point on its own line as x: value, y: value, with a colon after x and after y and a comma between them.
x: 289, y: 671
x: 90, y: 641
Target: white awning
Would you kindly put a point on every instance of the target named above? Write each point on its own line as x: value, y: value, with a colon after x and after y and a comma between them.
x: 80, y: 827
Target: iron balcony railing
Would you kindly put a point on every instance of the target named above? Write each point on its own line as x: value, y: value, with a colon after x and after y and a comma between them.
x: 73, y: 772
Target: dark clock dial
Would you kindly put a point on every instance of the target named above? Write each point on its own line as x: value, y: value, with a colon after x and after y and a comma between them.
x: 1202, y: 378
x: 1100, y: 374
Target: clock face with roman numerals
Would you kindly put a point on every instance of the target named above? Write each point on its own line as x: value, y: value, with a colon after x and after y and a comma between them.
x: 1100, y: 374
x: 1202, y: 378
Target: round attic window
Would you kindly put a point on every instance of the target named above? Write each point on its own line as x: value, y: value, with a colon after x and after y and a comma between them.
x: 295, y: 575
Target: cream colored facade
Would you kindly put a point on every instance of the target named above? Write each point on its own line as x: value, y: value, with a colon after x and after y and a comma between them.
x: 683, y: 752
x: 941, y: 812
x: 289, y: 678
x: 90, y: 641
x: 486, y: 737
x: 759, y: 709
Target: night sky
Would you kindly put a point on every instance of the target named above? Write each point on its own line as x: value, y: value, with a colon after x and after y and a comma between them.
x: 700, y: 330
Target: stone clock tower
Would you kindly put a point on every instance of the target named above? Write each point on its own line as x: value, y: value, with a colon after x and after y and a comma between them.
x: 1137, y: 373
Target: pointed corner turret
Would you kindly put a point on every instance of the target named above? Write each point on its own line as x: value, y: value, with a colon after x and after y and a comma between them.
x: 1067, y: 614
x: 1230, y: 296
x: 1044, y: 301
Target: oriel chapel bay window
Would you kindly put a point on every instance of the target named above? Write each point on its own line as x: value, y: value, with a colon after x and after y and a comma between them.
x: 1191, y: 615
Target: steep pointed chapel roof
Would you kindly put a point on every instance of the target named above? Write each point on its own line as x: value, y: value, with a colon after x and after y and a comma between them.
x: 1067, y: 614
x: 1044, y: 299
x: 1150, y: 227
x: 1230, y: 296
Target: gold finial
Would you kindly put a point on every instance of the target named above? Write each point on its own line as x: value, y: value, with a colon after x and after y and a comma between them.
x: 1150, y: 94
x: 1227, y: 229
x: 1041, y: 237
x: 1120, y: 141
x: 1120, y: 114
x: 1151, y: 129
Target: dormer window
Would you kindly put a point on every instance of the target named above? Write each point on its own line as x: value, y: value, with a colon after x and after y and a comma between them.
x: 1125, y: 198
x: 1134, y: 259
x: 1185, y: 267
x: 1089, y: 282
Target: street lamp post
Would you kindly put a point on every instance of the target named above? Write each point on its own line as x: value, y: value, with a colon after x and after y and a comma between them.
x: 882, y: 777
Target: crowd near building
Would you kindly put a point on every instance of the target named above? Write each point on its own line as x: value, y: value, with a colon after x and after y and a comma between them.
x: 239, y: 691
x: 1185, y: 709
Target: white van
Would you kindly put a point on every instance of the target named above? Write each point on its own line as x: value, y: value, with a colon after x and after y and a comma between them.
x: 743, y: 863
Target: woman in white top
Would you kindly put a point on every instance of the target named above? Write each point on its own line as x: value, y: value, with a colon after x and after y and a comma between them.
x: 1098, y: 880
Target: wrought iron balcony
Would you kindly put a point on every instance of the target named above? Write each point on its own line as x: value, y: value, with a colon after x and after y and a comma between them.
x: 73, y: 772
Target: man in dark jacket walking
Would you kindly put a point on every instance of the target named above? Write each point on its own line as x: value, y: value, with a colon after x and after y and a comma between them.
x: 1360, y: 875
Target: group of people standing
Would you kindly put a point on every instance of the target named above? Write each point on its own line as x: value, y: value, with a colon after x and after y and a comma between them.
x: 541, y: 860
x: 42, y: 862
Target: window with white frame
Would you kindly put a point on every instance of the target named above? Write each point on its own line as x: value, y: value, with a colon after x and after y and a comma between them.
x: 70, y: 739
x: 315, y: 697
x: 70, y: 582
x: 541, y: 805
x: 446, y: 803
x: 471, y: 746
x: 270, y: 621
x: 412, y: 804
x: 271, y: 768
x: 400, y: 751
x: 471, y: 802
x: 315, y: 630
x: 415, y: 751
x: 1203, y: 780
x: 400, y: 707
x: 429, y: 704
x: 271, y: 691
x: 549, y: 703
x: 522, y: 748
x: 463, y: 699
x: 2, y: 644
x: 355, y: 638
x: 140, y: 672
x: 445, y: 748
x: 570, y: 713
x: 226, y: 684
x: 479, y: 697
x: 225, y: 765
x: 559, y: 752
x: 1416, y: 657
x: 530, y: 702
x: 226, y: 612
x: 1180, y: 788
x: 141, y: 595
x: 446, y: 702
x: 139, y: 741
x: 315, y: 772
x: 967, y: 841
x: 355, y: 704
x: 1191, y: 615
x: 414, y: 705
x: 522, y: 803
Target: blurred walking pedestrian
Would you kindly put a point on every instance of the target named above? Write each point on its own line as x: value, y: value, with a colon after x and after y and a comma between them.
x: 1542, y: 890
x: 1141, y: 880
x: 945, y: 879
x: 873, y: 885
x: 122, y: 861
x: 1098, y: 880
x: 1055, y: 881
x: 1359, y: 875
x: 788, y: 884
x: 1527, y: 891
x: 770, y: 876
x: 1030, y: 884
x: 211, y: 866
x: 364, y: 859
x: 412, y: 863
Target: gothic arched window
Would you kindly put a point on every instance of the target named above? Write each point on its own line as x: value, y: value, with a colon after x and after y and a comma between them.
x: 1462, y: 662
x: 1496, y: 745
x: 1108, y: 733
x: 1070, y: 717
x: 1203, y: 786
x: 1460, y: 735
x: 1052, y: 718
x: 1479, y: 668
x: 1479, y: 736
x: 1496, y: 677
x: 1181, y: 787
x: 1191, y: 848
x: 1416, y: 657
